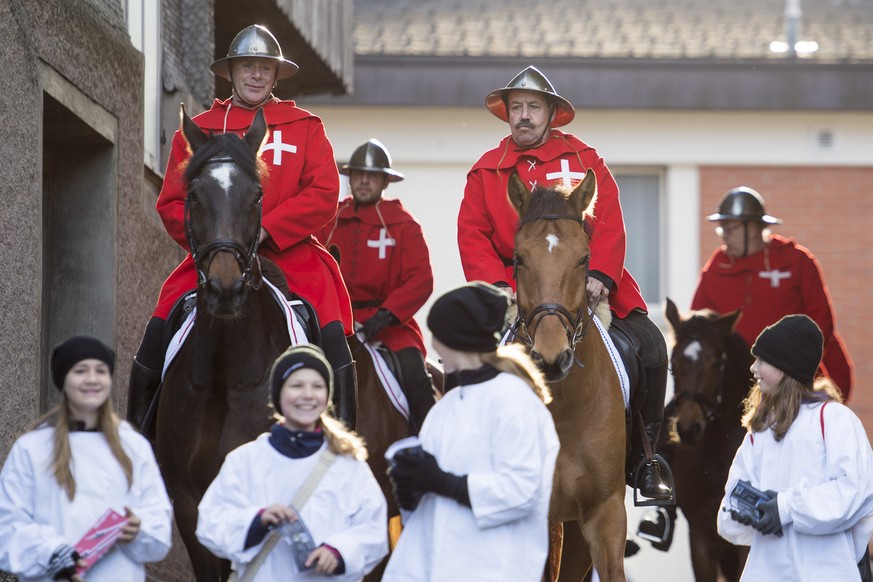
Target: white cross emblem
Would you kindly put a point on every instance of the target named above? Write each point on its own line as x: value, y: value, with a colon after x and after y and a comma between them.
x: 382, y: 243
x: 533, y: 185
x: 278, y: 147
x: 565, y: 174
x: 532, y: 164
x: 775, y: 276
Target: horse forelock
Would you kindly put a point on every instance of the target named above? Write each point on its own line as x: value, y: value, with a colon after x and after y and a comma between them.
x: 224, y: 145
x: 548, y: 203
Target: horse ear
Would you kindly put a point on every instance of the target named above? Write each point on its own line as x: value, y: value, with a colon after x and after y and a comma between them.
x: 191, y: 131
x: 671, y: 312
x: 257, y: 132
x: 584, y: 192
x: 518, y: 193
x: 728, y: 320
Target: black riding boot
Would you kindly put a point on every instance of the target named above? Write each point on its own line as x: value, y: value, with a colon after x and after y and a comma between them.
x: 145, y: 377
x: 345, y: 394
x: 417, y: 386
x: 654, y: 481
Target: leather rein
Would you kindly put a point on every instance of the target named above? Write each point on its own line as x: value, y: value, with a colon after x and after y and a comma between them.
x: 246, y: 259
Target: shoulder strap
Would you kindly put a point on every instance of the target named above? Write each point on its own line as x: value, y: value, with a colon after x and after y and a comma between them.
x: 325, y: 460
x: 821, y: 418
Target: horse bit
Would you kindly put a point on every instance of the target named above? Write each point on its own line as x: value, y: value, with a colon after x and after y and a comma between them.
x: 711, y: 407
x: 576, y: 327
x: 245, y: 259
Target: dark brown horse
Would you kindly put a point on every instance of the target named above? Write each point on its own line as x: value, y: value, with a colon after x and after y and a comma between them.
x: 551, y: 259
x: 215, y: 394
x: 710, y: 365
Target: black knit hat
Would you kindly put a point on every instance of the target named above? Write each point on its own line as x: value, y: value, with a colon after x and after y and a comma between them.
x: 794, y: 345
x: 296, y: 358
x: 74, y: 350
x: 469, y: 318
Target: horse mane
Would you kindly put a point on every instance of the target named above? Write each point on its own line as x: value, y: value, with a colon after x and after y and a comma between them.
x: 224, y: 144
x: 548, y: 203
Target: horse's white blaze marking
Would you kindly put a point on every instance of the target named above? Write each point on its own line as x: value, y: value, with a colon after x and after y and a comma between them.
x: 692, y: 351
x: 222, y: 173
x: 552, y: 239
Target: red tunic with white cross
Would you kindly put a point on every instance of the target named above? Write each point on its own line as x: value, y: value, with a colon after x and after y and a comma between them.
x: 487, y: 221
x: 300, y: 195
x: 781, y: 280
x: 385, y: 263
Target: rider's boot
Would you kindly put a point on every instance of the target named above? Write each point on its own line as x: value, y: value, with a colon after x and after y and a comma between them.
x: 145, y: 377
x: 345, y: 394
x: 654, y: 482
x: 417, y: 386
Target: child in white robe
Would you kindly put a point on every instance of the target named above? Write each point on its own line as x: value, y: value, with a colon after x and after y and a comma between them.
x: 78, y: 461
x: 810, y: 456
x: 480, y: 490
x: 346, y: 514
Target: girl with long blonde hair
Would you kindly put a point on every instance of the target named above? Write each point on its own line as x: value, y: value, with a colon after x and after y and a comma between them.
x: 77, y: 462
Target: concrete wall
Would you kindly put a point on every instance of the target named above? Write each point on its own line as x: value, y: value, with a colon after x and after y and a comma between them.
x: 83, y: 251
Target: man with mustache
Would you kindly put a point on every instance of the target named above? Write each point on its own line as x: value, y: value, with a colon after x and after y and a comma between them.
x: 546, y: 157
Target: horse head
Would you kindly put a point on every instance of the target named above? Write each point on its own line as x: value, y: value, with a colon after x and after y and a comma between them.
x: 551, y: 270
x: 699, y: 363
x: 223, y: 214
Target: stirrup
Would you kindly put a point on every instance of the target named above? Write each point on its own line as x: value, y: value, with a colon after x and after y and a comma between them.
x: 661, y: 462
x: 657, y: 529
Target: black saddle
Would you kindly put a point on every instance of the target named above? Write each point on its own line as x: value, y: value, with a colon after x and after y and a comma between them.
x: 304, y: 311
x: 630, y: 348
x: 392, y: 361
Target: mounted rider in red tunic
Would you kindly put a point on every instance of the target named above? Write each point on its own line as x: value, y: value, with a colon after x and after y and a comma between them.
x: 768, y: 276
x: 547, y: 157
x: 385, y: 263
x: 300, y: 187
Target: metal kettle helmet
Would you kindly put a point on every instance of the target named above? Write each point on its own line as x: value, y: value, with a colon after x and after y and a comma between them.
x: 372, y: 156
x: 743, y: 203
x: 255, y: 41
x: 531, y: 79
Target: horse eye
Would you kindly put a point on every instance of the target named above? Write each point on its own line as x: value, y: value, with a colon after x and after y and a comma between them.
x: 583, y: 262
x: 518, y: 261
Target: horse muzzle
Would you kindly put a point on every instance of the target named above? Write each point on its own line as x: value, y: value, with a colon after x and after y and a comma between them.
x: 555, y: 370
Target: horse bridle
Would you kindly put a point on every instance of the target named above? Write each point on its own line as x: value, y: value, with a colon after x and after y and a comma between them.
x: 245, y: 258
x: 575, y: 326
x: 711, y: 407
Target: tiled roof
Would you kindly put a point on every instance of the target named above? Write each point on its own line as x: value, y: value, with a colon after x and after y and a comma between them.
x: 661, y: 29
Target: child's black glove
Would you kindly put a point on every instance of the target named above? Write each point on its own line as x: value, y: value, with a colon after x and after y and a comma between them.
x: 62, y: 564
x: 414, y: 474
x: 768, y: 523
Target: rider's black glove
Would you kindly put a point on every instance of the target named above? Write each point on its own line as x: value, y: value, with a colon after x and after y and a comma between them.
x: 382, y: 319
x: 768, y: 523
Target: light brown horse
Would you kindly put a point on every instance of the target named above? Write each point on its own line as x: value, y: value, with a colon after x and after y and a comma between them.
x: 551, y: 259
x: 710, y: 364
